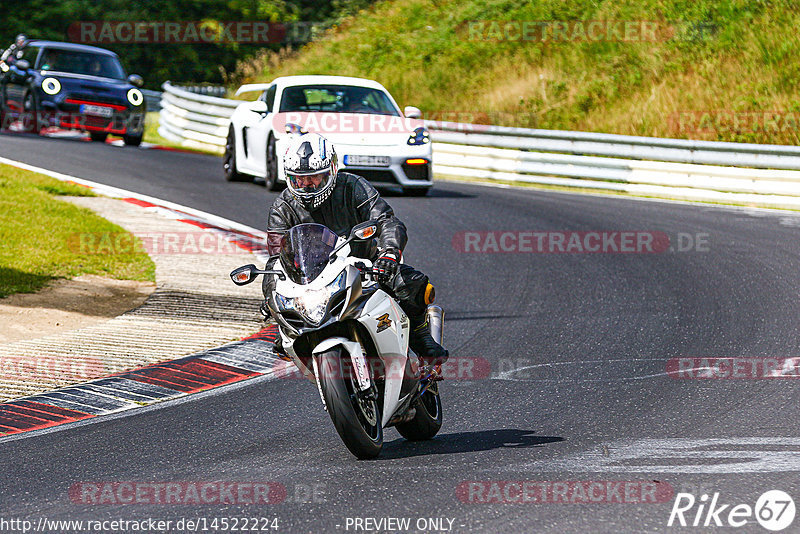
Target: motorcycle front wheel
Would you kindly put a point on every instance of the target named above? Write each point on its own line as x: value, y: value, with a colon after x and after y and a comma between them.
x: 356, y: 419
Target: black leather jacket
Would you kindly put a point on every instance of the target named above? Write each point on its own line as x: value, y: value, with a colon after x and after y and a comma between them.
x: 352, y: 201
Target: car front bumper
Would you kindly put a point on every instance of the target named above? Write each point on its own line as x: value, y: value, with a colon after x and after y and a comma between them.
x: 403, y: 165
x: 73, y: 113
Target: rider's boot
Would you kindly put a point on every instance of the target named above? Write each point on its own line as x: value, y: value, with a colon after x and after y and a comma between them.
x: 422, y: 343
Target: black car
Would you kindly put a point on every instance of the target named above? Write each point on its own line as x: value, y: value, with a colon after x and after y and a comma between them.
x: 75, y: 87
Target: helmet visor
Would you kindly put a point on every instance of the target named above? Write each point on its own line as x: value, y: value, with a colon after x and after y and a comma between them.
x: 308, y: 183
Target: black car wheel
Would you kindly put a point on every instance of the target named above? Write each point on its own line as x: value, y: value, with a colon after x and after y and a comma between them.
x: 132, y: 140
x: 271, y: 180
x: 4, y: 116
x: 30, y: 114
x: 98, y: 137
x: 229, y: 159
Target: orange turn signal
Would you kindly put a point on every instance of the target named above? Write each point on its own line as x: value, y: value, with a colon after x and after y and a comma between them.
x: 416, y: 161
x: 367, y: 232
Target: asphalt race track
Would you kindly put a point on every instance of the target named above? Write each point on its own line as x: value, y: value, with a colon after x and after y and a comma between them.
x: 571, y: 351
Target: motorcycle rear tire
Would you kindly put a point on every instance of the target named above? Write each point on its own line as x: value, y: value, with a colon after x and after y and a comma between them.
x: 428, y: 419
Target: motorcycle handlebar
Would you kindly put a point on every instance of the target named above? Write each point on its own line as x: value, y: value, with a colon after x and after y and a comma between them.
x: 366, y: 272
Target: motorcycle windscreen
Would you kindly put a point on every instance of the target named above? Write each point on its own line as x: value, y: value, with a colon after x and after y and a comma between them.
x: 305, y: 250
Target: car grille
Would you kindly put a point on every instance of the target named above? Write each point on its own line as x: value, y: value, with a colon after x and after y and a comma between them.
x: 94, y: 97
x: 99, y: 122
x: 374, y: 175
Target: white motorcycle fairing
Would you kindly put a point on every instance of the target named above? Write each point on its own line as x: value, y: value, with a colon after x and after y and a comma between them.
x: 381, y: 316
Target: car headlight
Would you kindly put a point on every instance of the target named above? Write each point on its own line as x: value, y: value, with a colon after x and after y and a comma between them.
x: 420, y: 136
x: 312, y: 304
x: 51, y: 86
x: 135, y: 97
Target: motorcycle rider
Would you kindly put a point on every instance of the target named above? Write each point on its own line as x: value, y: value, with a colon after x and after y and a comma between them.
x: 318, y: 192
x: 14, y: 52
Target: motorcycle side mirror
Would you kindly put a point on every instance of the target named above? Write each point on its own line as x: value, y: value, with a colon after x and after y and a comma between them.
x: 247, y: 273
x: 364, y: 231
x: 243, y: 275
x: 23, y: 64
x: 361, y: 232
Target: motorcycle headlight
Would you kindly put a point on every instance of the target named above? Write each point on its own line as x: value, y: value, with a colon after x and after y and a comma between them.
x: 420, y: 136
x: 312, y: 304
x: 135, y: 97
x: 51, y: 86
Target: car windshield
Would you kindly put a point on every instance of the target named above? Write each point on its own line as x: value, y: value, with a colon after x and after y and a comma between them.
x: 337, y: 99
x: 77, y: 62
x: 305, y: 250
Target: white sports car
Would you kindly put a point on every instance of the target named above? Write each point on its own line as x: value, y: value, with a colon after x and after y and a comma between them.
x: 371, y: 136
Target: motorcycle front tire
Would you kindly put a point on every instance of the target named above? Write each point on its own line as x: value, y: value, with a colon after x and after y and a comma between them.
x: 358, y: 422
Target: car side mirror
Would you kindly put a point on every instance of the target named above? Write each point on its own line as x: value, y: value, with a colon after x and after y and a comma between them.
x: 412, y: 113
x: 136, y: 80
x: 259, y: 106
x: 22, y: 64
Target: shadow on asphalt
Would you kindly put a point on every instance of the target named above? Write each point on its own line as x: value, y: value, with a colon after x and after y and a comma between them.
x: 392, y: 192
x: 461, y: 442
x: 435, y: 192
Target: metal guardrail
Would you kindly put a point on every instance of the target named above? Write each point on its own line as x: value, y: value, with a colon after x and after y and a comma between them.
x: 675, y: 168
x: 194, y: 120
x: 153, y: 99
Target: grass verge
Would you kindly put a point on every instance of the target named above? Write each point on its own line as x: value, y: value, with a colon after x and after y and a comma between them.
x: 715, y: 69
x: 39, y: 232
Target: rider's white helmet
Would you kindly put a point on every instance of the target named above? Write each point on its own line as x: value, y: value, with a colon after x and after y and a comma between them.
x: 310, y: 165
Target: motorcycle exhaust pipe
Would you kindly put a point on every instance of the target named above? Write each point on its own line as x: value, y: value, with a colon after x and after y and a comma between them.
x: 436, y: 320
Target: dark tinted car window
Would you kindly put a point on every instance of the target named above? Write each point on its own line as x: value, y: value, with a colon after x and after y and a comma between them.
x: 270, y: 97
x: 77, y: 62
x: 337, y: 99
x: 29, y: 54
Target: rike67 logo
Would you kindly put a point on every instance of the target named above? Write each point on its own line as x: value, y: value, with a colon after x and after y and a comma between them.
x: 774, y: 510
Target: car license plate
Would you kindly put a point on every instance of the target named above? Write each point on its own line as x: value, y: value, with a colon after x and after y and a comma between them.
x: 367, y: 161
x: 101, y: 111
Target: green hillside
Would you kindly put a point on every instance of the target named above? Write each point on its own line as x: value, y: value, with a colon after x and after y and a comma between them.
x: 722, y: 70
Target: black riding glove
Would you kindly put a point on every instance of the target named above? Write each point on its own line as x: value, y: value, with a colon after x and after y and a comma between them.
x: 385, y: 266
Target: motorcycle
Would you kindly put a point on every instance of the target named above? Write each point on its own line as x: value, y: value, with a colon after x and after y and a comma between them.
x: 350, y: 338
